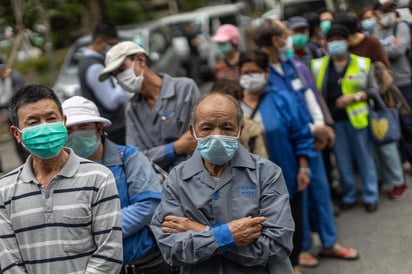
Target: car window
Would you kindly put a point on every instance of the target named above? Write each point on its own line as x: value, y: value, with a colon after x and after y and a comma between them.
x: 216, y: 21
x: 229, y: 19
x: 74, y: 61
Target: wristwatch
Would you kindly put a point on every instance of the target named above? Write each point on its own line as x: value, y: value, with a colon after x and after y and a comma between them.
x: 305, y: 170
x: 357, y: 97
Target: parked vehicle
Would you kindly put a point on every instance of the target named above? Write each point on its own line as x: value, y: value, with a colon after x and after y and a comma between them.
x: 284, y: 9
x: 152, y: 36
x: 206, y: 20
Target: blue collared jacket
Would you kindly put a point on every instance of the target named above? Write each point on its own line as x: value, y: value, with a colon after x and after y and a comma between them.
x: 139, y: 191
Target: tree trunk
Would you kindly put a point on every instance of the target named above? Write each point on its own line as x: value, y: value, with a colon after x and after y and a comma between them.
x: 48, y: 46
x: 92, y: 14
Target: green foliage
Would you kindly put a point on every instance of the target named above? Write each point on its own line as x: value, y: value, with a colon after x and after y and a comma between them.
x: 123, y: 12
x: 188, y: 5
x: 65, y: 21
x: 39, y: 65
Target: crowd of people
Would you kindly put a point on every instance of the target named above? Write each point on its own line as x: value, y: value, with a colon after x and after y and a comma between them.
x: 144, y: 174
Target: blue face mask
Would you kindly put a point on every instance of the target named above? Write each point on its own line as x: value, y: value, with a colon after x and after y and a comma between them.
x: 368, y: 24
x: 224, y: 48
x: 83, y: 142
x: 217, y: 149
x: 325, y: 26
x: 45, y: 140
x: 337, y: 48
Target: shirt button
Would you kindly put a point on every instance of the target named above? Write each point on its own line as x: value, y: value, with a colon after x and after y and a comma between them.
x: 216, y: 196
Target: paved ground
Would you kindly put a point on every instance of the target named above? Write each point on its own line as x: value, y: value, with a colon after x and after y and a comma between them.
x: 383, y: 238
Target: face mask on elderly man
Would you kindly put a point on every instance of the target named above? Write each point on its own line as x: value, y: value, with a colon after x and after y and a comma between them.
x: 83, y: 142
x: 217, y: 149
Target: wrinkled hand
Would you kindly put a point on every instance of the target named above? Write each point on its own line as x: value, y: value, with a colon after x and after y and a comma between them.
x: 246, y: 230
x: 344, y: 100
x: 185, y: 145
x: 303, y: 180
x: 175, y: 224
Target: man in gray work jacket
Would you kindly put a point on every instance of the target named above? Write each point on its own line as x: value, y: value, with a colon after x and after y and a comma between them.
x: 158, y: 115
x: 224, y: 210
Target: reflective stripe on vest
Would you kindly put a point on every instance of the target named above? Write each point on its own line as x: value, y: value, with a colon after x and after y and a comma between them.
x: 354, y: 80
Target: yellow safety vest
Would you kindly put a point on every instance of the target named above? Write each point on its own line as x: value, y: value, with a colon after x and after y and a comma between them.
x: 354, y: 80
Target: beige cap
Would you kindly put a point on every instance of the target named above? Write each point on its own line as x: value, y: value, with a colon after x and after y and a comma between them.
x: 116, y: 56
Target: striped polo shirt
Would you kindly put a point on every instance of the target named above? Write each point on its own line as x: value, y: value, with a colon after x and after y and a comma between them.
x: 72, y: 226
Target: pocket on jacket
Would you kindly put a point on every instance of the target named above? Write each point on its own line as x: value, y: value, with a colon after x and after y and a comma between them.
x: 170, y: 129
x: 77, y: 236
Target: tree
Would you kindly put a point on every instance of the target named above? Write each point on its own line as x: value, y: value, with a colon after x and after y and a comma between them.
x: 92, y: 13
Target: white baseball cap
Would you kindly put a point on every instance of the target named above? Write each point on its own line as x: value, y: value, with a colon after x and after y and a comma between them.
x: 80, y: 110
x: 116, y: 56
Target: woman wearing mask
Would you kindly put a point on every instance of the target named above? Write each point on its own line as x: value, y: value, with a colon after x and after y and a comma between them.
x: 345, y: 80
x: 368, y: 20
x: 395, y: 38
x: 287, y: 134
x: 227, y: 39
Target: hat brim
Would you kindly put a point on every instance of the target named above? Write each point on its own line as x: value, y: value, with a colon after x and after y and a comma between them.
x: 82, y: 119
x: 105, y: 74
x: 220, y: 39
x: 299, y: 25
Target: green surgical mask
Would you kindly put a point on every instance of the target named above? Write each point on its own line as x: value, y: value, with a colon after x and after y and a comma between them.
x: 45, y: 140
x: 83, y: 142
x: 325, y: 26
x: 224, y: 48
x: 300, y: 40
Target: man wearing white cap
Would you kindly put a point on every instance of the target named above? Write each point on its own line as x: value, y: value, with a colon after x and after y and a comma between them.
x: 158, y: 115
x: 138, y: 185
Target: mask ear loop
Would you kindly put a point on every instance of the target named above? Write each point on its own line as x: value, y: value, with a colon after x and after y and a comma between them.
x: 194, y: 132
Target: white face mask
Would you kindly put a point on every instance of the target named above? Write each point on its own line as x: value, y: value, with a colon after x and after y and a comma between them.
x: 287, y: 49
x: 129, y: 81
x: 388, y: 19
x: 253, y: 81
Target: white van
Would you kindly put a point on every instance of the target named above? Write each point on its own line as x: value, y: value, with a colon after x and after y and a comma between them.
x: 285, y: 9
x: 206, y: 20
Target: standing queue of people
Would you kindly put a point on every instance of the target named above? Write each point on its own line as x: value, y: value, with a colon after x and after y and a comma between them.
x: 247, y: 181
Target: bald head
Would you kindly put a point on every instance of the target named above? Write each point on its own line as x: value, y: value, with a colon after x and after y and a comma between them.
x: 217, y: 113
